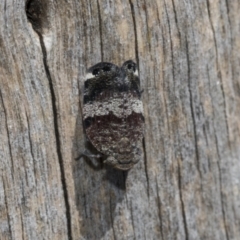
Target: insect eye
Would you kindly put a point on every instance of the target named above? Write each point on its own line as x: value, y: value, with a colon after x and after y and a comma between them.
x: 96, y: 71
x: 106, y: 69
x: 131, y: 67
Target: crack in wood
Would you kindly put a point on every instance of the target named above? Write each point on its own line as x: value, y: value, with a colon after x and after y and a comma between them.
x: 100, y: 30
x: 219, y: 169
x: 148, y: 31
x: 135, y: 32
x: 8, y: 213
x: 146, y: 168
x: 176, y: 20
x: 22, y: 225
x: 34, y: 15
x: 219, y: 72
x: 182, y: 202
x: 132, y: 220
x: 159, y: 210
x: 192, y: 111
x: 57, y: 135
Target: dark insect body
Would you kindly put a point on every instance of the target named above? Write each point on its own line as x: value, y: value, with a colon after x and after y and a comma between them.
x: 113, y: 113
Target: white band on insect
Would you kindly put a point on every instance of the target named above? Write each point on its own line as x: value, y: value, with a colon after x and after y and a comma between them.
x: 114, y: 105
x: 136, y: 73
x: 89, y: 76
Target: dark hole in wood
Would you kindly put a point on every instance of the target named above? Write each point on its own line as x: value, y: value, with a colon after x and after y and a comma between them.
x: 36, y: 11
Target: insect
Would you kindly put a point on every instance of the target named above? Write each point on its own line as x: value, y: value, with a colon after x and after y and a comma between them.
x: 113, y: 113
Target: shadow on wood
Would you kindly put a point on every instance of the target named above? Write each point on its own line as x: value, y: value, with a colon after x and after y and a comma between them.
x: 98, y: 207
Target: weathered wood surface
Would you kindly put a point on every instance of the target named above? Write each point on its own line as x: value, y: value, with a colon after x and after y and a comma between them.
x: 187, y: 187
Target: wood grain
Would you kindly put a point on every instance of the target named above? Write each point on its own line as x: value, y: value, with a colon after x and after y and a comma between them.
x: 187, y: 185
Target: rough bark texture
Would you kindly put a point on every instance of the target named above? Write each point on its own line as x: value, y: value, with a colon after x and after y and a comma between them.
x: 188, y: 184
